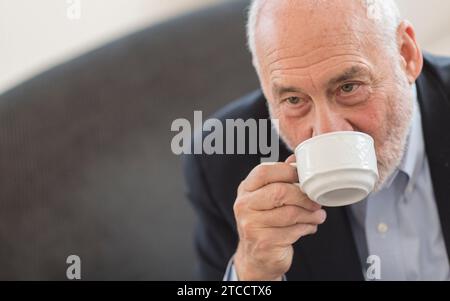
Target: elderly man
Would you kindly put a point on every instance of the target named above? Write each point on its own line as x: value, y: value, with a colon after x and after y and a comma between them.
x: 327, y: 66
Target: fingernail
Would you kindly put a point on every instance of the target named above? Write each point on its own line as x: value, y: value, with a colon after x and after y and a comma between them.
x: 323, y: 215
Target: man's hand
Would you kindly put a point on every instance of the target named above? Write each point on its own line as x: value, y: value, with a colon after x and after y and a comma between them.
x: 271, y: 213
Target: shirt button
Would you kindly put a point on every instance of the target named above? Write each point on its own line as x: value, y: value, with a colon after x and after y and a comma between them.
x: 382, y: 228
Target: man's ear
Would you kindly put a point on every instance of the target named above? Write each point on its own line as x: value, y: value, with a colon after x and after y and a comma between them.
x: 411, y: 54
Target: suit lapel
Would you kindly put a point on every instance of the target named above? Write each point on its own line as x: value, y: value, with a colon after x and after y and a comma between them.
x: 435, y: 109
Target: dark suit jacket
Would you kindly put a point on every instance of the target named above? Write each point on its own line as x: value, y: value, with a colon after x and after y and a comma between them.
x: 330, y: 254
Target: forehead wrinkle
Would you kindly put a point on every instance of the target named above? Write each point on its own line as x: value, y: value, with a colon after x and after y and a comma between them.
x: 273, y: 51
x: 356, y: 38
x: 345, y: 58
x: 302, y: 60
x: 277, y: 54
x: 342, y: 47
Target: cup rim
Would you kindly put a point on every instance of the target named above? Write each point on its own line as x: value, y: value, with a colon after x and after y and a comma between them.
x: 333, y: 134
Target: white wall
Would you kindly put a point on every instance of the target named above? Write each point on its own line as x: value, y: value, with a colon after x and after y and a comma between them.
x: 431, y: 21
x: 37, y: 34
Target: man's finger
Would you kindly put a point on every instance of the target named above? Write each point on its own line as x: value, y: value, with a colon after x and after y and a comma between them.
x: 265, y: 174
x: 283, y: 237
x: 290, y: 160
x: 288, y: 216
x: 276, y: 195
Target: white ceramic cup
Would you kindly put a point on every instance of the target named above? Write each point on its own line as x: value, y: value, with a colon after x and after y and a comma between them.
x: 337, y: 169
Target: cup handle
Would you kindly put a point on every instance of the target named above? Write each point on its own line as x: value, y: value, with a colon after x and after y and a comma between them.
x: 298, y: 183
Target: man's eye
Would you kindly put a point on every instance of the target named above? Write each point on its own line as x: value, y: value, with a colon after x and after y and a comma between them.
x: 293, y: 100
x: 349, y: 88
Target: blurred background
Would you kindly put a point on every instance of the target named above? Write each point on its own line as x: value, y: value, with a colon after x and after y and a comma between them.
x: 35, y: 35
x: 88, y: 91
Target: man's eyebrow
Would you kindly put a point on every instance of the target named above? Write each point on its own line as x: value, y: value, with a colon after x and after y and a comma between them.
x: 280, y: 90
x: 348, y: 74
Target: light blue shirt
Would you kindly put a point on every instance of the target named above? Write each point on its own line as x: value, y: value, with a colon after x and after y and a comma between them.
x: 400, y: 224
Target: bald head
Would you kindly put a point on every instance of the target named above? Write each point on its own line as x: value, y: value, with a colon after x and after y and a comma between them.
x: 313, y: 18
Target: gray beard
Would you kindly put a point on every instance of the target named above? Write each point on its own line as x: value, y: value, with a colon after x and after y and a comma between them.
x: 391, y: 152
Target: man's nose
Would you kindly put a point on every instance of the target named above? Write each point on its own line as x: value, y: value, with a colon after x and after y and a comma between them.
x: 327, y: 121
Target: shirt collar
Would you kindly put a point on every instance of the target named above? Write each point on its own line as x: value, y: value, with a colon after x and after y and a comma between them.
x: 414, y: 152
